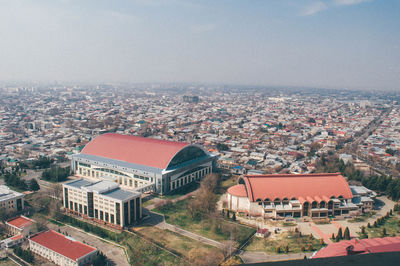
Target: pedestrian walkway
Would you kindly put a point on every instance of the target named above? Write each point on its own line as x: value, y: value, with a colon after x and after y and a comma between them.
x: 324, y: 236
x: 194, y: 236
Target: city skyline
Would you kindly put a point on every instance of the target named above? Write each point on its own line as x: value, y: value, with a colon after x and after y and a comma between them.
x: 351, y: 44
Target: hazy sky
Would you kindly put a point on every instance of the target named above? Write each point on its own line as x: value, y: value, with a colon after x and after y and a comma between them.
x: 325, y: 43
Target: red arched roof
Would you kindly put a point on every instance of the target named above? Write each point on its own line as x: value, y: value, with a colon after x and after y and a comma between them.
x: 310, y: 187
x: 238, y: 191
x: 133, y: 149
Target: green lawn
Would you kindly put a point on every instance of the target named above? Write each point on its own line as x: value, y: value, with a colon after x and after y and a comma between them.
x: 293, y: 240
x: 142, y: 252
x: 217, y: 229
x: 173, y: 241
x: 392, y: 226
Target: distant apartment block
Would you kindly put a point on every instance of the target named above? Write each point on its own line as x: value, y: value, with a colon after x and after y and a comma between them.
x: 61, y: 249
x: 10, y: 200
x: 296, y: 195
x: 143, y: 164
x: 103, y: 202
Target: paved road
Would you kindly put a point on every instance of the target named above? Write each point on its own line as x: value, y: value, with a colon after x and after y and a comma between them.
x: 257, y: 257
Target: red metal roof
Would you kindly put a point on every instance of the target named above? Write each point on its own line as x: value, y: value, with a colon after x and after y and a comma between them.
x: 238, y: 191
x: 20, y: 222
x: 363, y: 246
x: 305, y: 187
x: 133, y: 149
x: 62, y: 245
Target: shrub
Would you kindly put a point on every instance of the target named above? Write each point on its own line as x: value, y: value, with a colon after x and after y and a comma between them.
x: 310, y: 247
x: 278, y: 249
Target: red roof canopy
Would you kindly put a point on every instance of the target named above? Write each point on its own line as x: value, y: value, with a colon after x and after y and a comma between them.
x: 305, y: 187
x: 133, y: 149
x: 20, y: 222
x: 62, y: 245
x: 363, y: 246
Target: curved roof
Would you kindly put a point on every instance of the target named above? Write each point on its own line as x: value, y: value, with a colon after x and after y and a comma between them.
x: 238, y: 191
x: 308, y: 187
x: 137, y: 150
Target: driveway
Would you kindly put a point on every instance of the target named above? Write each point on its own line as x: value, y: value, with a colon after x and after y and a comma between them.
x: 115, y: 254
x: 257, y: 257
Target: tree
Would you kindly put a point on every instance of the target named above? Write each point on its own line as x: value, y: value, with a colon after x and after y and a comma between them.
x: 33, y: 185
x: 99, y: 260
x: 333, y: 236
x: 278, y: 249
x: 287, y: 249
x: 363, y: 230
x: 339, y: 234
x: 310, y: 247
x: 384, y: 232
x: 369, y: 225
x: 346, y: 234
x: 234, y: 216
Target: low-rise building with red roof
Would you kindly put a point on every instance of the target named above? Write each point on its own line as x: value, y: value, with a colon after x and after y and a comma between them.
x: 20, y: 225
x: 288, y: 195
x: 61, y: 249
x: 359, y: 246
x: 143, y: 164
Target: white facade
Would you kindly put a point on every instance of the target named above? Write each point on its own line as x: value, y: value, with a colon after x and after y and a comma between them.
x: 10, y: 200
x: 102, y: 201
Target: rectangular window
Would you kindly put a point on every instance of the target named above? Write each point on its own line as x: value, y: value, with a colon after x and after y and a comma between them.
x: 106, y: 216
x: 112, y: 218
x: 118, y: 213
x: 96, y: 214
x: 101, y: 215
x: 130, y: 182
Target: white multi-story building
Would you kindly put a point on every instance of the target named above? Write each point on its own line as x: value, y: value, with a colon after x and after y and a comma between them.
x: 60, y: 249
x: 103, y: 202
x: 10, y: 200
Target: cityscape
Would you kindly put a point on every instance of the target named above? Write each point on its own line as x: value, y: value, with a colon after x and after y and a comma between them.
x: 182, y: 132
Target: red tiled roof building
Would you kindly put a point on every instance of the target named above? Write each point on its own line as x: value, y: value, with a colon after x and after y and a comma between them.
x: 144, y: 164
x: 362, y: 246
x: 288, y: 195
x: 61, y: 249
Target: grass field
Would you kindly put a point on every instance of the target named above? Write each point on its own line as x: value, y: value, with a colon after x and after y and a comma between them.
x: 216, y: 229
x: 141, y: 252
x: 392, y: 226
x: 293, y: 240
x: 173, y: 241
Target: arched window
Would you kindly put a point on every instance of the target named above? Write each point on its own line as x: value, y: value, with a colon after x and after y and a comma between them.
x: 322, y: 204
x: 285, y: 201
x: 259, y: 201
x: 277, y: 201
x: 314, y: 204
x: 293, y: 198
x: 330, y: 205
x: 333, y: 197
x: 186, y: 154
x: 267, y: 201
x: 241, y: 181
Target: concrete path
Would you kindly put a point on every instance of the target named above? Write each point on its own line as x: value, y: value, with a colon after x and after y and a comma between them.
x: 194, y: 236
x: 257, y: 257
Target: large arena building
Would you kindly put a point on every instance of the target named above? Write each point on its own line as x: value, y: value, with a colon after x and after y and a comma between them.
x: 143, y: 164
x: 306, y: 195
